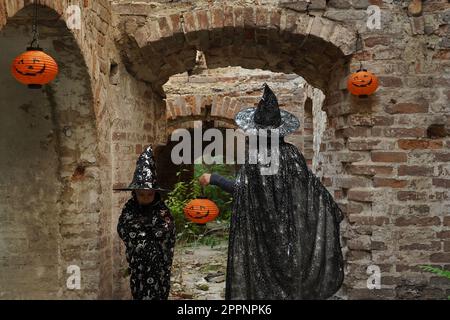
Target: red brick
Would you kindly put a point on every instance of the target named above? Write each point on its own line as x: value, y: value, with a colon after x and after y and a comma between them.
x: 217, y: 18
x: 360, y: 196
x: 447, y: 221
x: 349, y: 157
x: 354, y: 255
x: 380, y: 40
x: 164, y: 27
x: 262, y: 17
x: 418, y: 221
x: 443, y: 235
x: 379, y: 245
x: 190, y: 103
x: 415, y: 171
x: 202, y: 19
x: 338, y: 194
x: 383, y: 121
x: 411, y: 195
x: 441, y: 183
x: 228, y: 17
x: 421, y: 209
x: 275, y: 19
x: 353, y: 132
x: 189, y: 22
x: 369, y: 170
x: 446, y: 246
x: 433, y: 246
x: 353, y: 207
x: 388, y: 81
x: 351, y: 182
x: 367, y: 294
x: 393, y: 183
x: 360, y: 120
x: 440, y: 196
x: 139, y: 149
x: 327, y: 181
x: 336, y: 146
x: 440, y: 257
x: 407, y: 108
x: 249, y: 17
x: 176, y: 23
x: 363, y: 55
x: 410, y: 144
x: 408, y: 268
x: 364, y: 220
x: 441, y: 82
x: 404, y: 132
x: 363, y: 145
x: 443, y: 54
x: 238, y: 17
x: 291, y: 20
x: 379, y: 156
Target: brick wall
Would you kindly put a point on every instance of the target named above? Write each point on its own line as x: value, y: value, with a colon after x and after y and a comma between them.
x: 385, y: 158
x: 369, y: 148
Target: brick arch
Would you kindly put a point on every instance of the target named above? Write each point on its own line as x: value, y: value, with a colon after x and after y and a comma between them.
x: 193, y: 107
x: 10, y: 8
x: 250, y: 37
x: 79, y: 192
x: 92, y: 11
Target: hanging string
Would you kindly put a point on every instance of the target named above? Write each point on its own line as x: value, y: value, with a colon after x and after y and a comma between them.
x: 359, y: 41
x: 34, y: 29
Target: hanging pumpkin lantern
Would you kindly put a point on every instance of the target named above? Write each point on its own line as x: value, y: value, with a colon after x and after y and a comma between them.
x: 201, y: 210
x: 34, y: 67
x: 362, y: 83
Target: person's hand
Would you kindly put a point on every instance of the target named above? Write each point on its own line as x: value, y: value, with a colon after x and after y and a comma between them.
x: 205, y: 179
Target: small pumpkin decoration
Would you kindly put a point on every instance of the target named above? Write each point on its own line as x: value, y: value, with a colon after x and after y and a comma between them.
x: 362, y: 83
x: 201, y: 210
x: 34, y: 68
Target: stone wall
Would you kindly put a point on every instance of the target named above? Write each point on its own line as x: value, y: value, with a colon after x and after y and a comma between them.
x: 77, y: 225
x: 384, y: 159
x: 372, y: 151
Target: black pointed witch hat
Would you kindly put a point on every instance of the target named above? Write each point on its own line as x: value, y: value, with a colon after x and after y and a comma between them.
x: 268, y: 115
x: 145, y: 174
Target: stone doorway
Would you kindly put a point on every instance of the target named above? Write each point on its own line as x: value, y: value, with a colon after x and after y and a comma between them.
x: 49, y: 187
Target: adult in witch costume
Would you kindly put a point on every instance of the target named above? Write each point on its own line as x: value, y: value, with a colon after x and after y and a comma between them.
x: 147, y: 229
x: 284, y: 235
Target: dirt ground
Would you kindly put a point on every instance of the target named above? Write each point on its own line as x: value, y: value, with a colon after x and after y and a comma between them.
x: 198, y: 272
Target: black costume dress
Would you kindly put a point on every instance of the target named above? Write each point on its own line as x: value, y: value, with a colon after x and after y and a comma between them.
x: 284, y: 235
x: 149, y: 236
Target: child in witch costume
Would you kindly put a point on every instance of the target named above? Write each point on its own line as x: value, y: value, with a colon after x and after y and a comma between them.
x: 147, y: 229
x: 284, y: 235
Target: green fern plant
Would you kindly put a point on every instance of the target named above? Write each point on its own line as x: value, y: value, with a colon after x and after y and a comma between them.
x: 185, y: 191
x: 440, y: 272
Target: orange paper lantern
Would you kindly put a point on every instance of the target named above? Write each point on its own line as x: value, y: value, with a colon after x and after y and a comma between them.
x: 34, y: 68
x: 201, y: 211
x: 362, y: 83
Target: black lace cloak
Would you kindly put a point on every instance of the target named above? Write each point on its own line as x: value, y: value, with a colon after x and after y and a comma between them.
x: 284, y: 235
x: 148, y: 233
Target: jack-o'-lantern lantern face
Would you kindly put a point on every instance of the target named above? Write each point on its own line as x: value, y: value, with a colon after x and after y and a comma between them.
x: 34, y: 68
x: 201, y: 211
x: 200, y: 214
x: 362, y: 83
x: 362, y: 79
